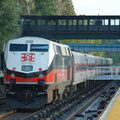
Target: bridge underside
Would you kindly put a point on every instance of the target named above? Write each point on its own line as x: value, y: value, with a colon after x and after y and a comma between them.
x: 71, y: 36
x: 65, y: 34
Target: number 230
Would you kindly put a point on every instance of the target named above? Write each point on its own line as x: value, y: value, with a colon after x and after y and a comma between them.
x: 29, y: 41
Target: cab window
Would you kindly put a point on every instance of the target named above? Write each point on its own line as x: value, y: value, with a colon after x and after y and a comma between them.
x: 18, y: 47
x: 39, y: 47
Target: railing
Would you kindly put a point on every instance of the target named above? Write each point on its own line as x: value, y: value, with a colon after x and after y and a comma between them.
x: 107, y: 73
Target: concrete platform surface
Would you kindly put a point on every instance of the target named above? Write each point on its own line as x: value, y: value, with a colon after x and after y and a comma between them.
x: 112, y: 112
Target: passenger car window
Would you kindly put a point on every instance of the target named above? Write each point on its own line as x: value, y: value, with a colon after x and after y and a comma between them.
x: 39, y: 47
x: 18, y: 47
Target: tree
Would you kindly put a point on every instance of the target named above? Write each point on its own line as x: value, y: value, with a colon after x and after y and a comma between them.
x: 45, y: 7
x: 114, y: 55
x: 88, y: 41
x: 27, y: 7
x: 9, y: 17
x: 69, y: 8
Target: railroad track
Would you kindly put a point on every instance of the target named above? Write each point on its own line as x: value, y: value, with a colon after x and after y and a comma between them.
x: 57, y: 110
x: 106, y: 106
x: 78, y: 102
x: 16, y: 114
x: 78, y: 114
x: 6, y: 110
x: 8, y: 113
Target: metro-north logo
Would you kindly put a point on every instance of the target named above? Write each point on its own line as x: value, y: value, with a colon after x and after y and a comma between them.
x: 30, y: 57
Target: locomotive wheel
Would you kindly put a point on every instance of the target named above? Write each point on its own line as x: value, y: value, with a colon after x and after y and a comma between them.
x: 66, y: 92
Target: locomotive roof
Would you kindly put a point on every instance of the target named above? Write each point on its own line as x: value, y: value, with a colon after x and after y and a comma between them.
x: 37, y: 38
x: 31, y: 38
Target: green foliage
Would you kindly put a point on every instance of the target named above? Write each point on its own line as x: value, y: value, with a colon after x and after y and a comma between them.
x: 38, y: 7
x: 10, y: 13
x: 27, y: 6
x: 45, y: 7
x: 69, y: 8
x: 114, y: 55
x: 86, y: 42
x: 9, y: 17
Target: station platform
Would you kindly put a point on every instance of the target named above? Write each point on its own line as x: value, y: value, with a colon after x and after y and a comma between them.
x: 112, y: 112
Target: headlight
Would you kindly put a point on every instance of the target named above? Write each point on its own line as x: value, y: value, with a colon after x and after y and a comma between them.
x: 12, y: 75
x: 41, y: 75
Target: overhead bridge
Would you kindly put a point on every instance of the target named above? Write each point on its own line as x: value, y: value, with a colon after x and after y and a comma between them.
x: 71, y: 27
x: 106, y: 73
x: 95, y: 47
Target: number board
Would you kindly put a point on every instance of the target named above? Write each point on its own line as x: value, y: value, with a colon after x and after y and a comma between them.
x: 27, y: 68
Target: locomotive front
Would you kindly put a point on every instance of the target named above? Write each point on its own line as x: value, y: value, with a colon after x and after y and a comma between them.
x: 27, y: 71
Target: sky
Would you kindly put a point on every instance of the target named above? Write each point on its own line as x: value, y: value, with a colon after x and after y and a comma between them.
x: 97, y: 7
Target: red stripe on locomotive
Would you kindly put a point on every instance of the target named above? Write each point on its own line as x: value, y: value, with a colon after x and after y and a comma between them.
x: 55, y: 75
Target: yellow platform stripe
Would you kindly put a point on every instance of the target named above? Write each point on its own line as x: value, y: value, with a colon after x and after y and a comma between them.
x: 114, y: 113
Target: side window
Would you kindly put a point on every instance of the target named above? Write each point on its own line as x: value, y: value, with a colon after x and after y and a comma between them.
x: 66, y: 51
x: 80, y: 67
x: 69, y: 51
x: 59, y: 50
x: 41, y: 22
x: 63, y: 51
x: 55, y: 49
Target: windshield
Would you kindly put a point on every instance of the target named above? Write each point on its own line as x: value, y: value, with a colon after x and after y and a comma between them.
x: 39, y: 47
x: 18, y: 47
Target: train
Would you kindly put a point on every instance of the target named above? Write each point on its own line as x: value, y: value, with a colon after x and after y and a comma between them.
x: 38, y: 71
x: 2, y: 90
x: 2, y: 85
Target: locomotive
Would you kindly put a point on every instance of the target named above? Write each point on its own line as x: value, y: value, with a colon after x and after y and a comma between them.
x: 38, y: 71
x: 2, y: 90
x: 2, y: 85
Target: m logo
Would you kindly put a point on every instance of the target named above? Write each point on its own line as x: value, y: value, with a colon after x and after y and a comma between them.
x: 30, y: 57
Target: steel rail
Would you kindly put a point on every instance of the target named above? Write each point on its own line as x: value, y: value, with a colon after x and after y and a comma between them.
x: 88, y: 103
x: 8, y: 113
